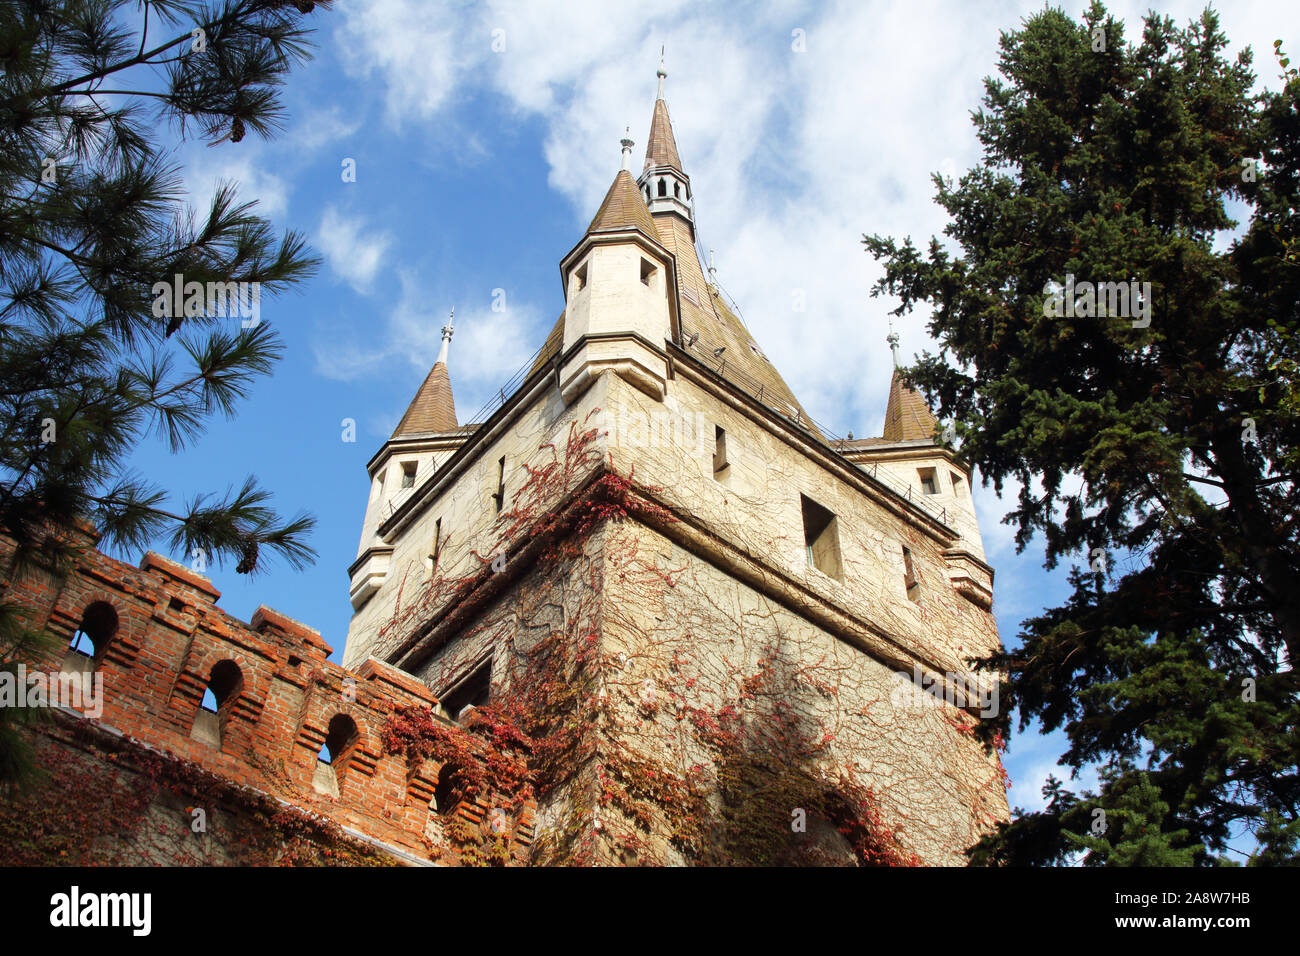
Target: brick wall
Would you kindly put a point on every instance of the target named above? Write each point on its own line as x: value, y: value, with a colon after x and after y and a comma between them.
x: 160, y: 639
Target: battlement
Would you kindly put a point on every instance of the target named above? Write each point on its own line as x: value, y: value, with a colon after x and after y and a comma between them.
x: 280, y: 718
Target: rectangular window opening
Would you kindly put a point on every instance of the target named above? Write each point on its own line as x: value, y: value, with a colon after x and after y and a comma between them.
x: 500, y: 495
x: 473, y: 690
x: 821, y: 538
x: 956, y: 483
x: 720, y: 463
x: 910, y: 581
x: 408, y: 474
x: 929, y: 484
x: 580, y: 278
x: 435, y: 551
x: 647, y: 271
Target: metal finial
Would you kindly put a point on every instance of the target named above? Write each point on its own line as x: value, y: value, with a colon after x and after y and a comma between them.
x: 447, y: 331
x: 661, y: 74
x: 627, y: 144
x: 892, y: 339
x: 713, y: 269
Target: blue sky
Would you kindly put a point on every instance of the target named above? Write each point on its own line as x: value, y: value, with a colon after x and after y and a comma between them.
x: 484, y: 137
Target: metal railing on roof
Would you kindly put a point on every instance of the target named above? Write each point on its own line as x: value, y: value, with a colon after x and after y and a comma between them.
x: 755, y: 389
x: 503, y: 393
x: 765, y: 396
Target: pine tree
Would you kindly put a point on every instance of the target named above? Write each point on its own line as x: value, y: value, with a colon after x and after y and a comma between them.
x: 94, y: 223
x: 1157, y: 446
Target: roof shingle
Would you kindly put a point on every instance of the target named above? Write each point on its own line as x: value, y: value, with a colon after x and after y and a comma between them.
x: 907, y: 416
x: 432, y: 409
x: 661, y: 150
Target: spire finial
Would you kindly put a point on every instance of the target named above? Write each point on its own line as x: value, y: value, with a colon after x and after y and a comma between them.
x: 892, y: 339
x: 713, y: 270
x: 661, y: 74
x: 627, y: 144
x: 447, y: 331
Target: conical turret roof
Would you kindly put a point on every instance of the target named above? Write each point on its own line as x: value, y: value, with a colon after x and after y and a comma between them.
x: 623, y: 209
x: 433, y: 409
x: 907, y: 416
x: 713, y: 331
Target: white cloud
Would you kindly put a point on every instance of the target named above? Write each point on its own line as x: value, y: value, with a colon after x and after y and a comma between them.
x: 354, y: 253
x: 416, y: 47
x: 792, y: 155
x: 488, y: 346
x: 320, y: 128
x: 207, y: 167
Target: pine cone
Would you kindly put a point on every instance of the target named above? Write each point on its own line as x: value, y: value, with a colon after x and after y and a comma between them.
x: 249, y: 561
x: 305, y: 6
x: 236, y: 130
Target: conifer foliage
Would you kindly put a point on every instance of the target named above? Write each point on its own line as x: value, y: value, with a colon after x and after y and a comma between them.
x: 95, y: 97
x: 1154, y: 443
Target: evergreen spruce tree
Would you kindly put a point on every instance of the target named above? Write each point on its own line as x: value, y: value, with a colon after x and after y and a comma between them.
x: 94, y: 97
x: 1156, y: 448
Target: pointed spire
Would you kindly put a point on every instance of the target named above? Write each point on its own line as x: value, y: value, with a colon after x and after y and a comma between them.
x: 907, y: 416
x: 433, y: 409
x: 661, y: 149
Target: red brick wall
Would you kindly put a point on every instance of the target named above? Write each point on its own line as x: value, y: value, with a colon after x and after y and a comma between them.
x: 156, y: 664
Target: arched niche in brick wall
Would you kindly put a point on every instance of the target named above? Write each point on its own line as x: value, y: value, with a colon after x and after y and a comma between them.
x: 98, y: 626
x: 225, y: 684
x: 332, y: 762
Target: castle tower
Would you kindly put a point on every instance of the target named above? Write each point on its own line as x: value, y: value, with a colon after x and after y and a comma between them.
x: 729, y: 637
x: 426, y: 434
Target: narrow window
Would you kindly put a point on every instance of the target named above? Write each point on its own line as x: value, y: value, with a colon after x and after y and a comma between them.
x: 379, y: 485
x: 500, y: 495
x: 647, y: 271
x: 956, y: 483
x: 663, y: 187
x: 580, y: 278
x: 435, y: 550
x: 446, y: 795
x: 929, y: 484
x: 677, y: 190
x: 720, y: 463
x: 408, y: 474
x: 821, y: 537
x: 472, y: 691
x: 910, y: 581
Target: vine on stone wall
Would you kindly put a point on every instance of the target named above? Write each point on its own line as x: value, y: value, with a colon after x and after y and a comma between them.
x: 112, y: 802
x: 622, y: 751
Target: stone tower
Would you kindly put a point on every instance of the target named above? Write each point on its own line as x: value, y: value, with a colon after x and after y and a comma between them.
x: 724, y: 635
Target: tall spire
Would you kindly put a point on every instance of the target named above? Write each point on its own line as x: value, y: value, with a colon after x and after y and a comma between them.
x: 661, y: 148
